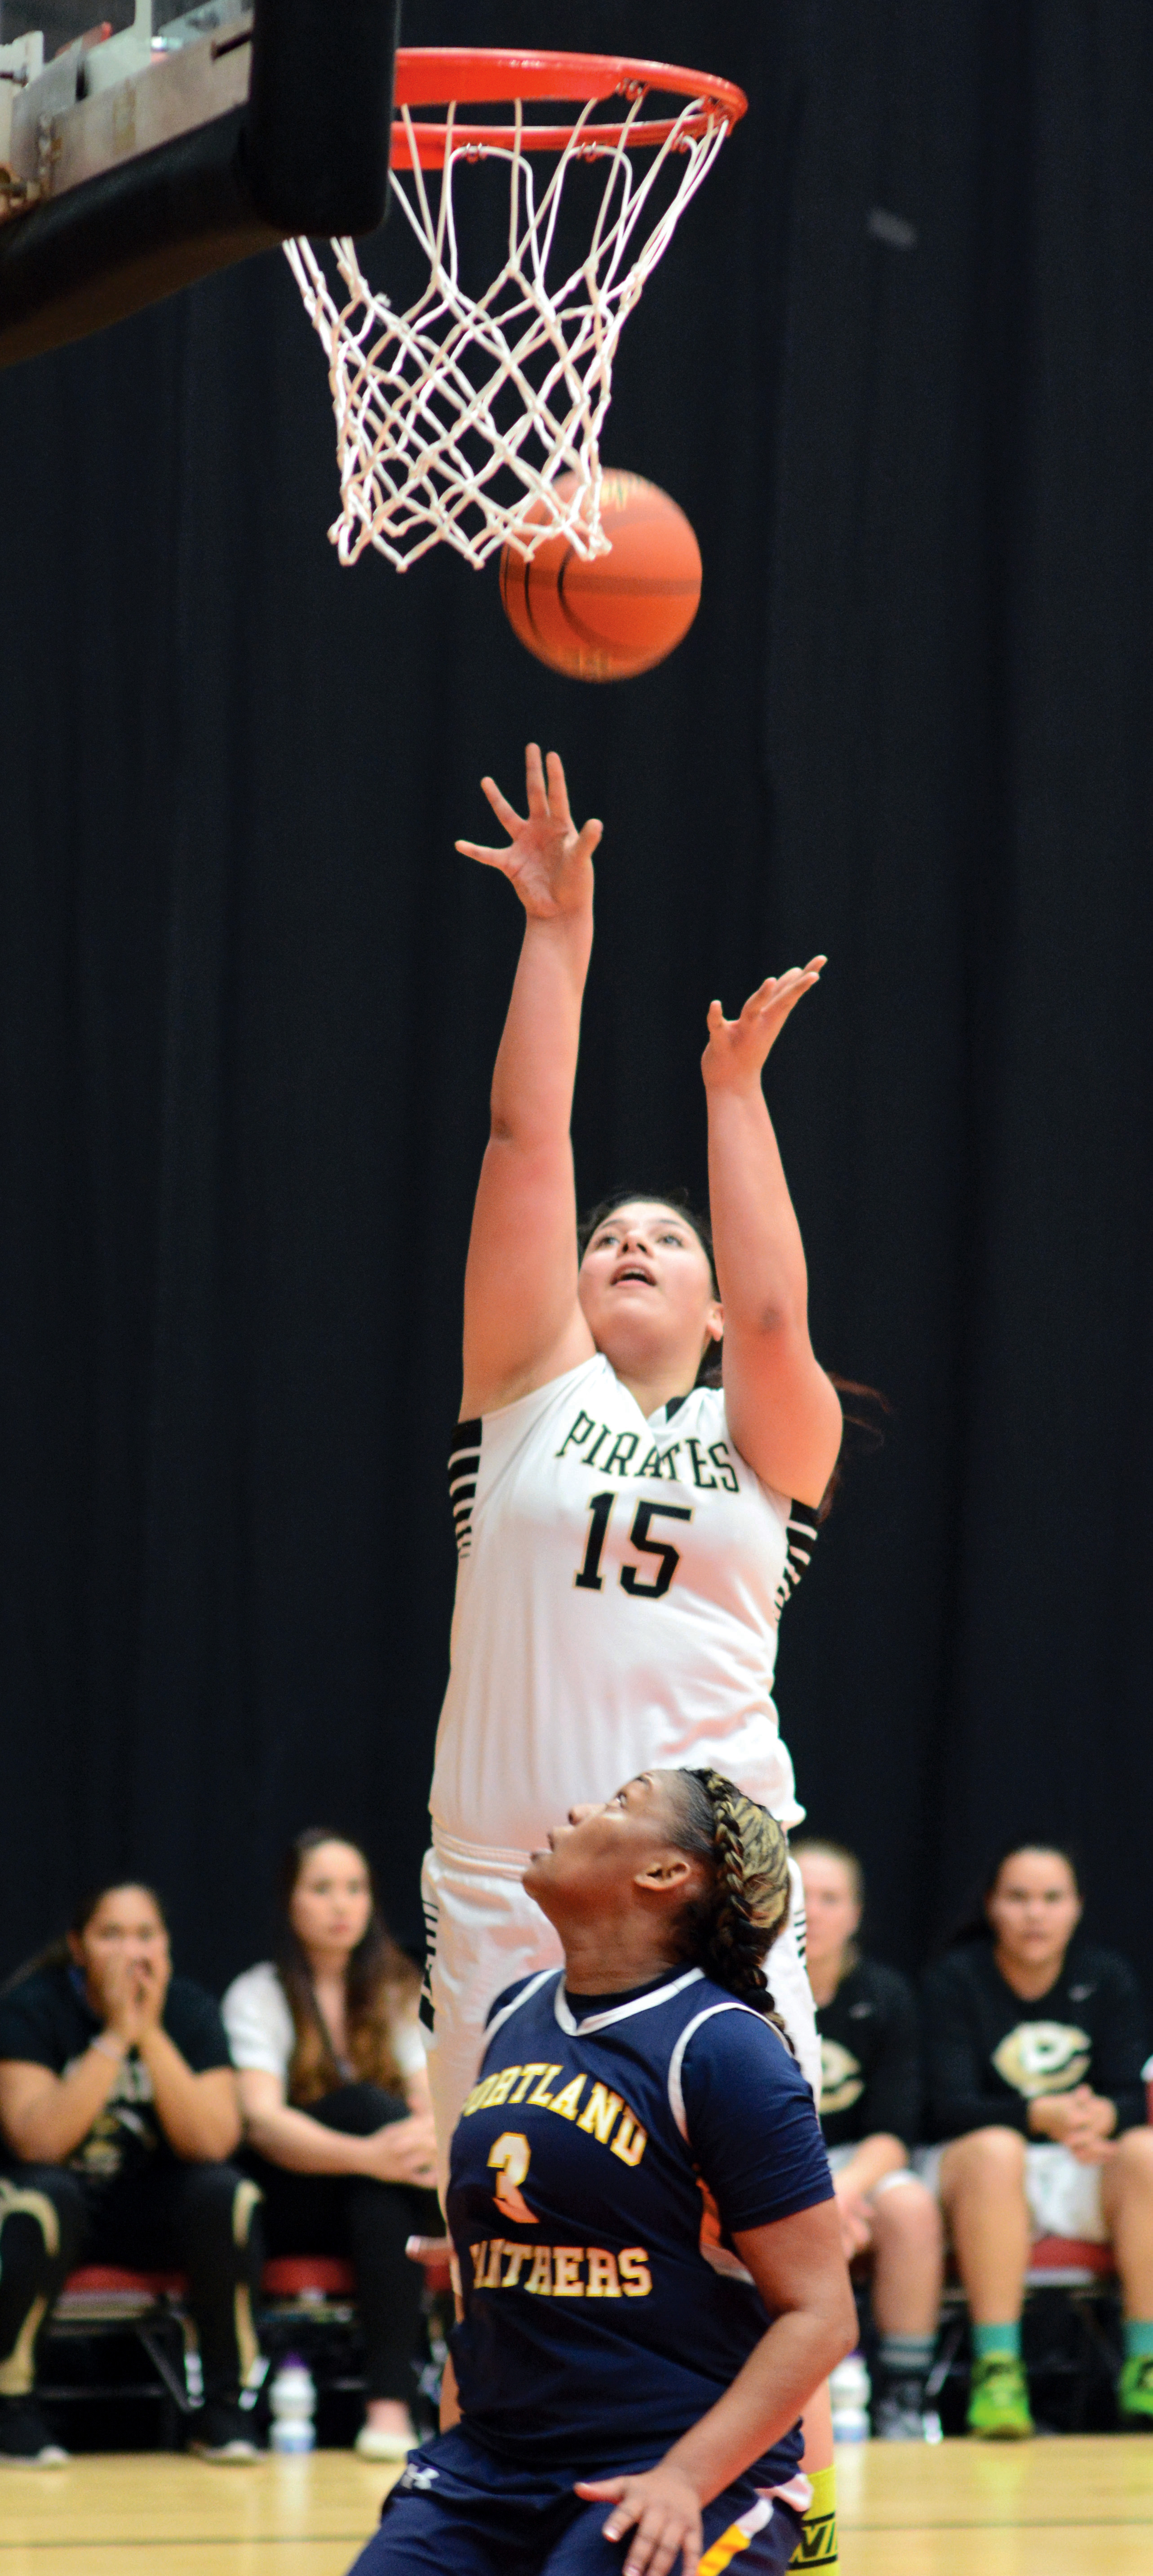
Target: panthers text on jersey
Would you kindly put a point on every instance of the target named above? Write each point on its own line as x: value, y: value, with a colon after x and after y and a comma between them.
x: 601, y: 2167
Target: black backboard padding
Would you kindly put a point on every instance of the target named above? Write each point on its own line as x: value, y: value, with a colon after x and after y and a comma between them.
x: 307, y: 153
x: 128, y: 238
x: 320, y: 112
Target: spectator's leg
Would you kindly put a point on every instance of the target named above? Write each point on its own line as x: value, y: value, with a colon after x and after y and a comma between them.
x: 42, y: 2223
x: 908, y: 2263
x: 358, y: 2109
x: 1127, y: 2204
x: 377, y: 2218
x: 300, y: 2212
x: 982, y: 2189
x: 214, y: 2217
x: 380, y: 2217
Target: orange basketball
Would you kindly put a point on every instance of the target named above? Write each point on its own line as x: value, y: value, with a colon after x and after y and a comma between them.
x: 622, y: 612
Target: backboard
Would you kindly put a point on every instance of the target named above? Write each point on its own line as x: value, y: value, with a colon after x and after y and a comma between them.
x: 144, y: 143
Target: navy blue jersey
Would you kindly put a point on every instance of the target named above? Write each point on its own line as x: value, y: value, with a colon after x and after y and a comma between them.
x: 600, y: 2170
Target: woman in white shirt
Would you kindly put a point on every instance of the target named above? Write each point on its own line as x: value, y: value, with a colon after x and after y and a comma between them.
x: 330, y: 2065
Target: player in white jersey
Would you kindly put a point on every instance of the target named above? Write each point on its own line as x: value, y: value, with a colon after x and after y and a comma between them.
x: 626, y: 1534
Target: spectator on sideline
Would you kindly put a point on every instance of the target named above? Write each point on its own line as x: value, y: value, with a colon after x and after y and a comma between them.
x: 1034, y: 2046
x: 118, y: 2109
x: 870, y: 2116
x: 332, y: 2083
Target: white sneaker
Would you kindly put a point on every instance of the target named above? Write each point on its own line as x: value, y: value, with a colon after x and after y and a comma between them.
x: 375, y: 2442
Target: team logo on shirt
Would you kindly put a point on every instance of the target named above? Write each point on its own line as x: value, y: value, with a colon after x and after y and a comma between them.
x: 605, y: 2115
x: 102, y: 2151
x: 562, y: 2271
x: 586, y: 1437
x: 842, y: 2079
x: 1044, y: 2057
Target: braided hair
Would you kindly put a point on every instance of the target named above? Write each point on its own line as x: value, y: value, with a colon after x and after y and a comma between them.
x: 727, y: 1930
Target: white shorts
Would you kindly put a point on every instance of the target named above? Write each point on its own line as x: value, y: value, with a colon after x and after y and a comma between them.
x: 1064, y: 2197
x: 839, y: 2157
x: 484, y: 1932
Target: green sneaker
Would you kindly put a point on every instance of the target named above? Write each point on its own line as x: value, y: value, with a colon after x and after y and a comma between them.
x: 1135, y: 2393
x: 998, y: 2408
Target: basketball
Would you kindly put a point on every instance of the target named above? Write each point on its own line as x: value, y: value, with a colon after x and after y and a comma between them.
x: 622, y: 612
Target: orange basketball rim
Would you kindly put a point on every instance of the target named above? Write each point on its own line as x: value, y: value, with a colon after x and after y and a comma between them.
x: 473, y: 417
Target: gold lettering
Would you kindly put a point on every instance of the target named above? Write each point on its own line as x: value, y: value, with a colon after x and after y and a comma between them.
x: 517, y: 2256
x: 541, y: 2100
x: 490, y: 2278
x: 567, y: 2282
x: 566, y: 2102
x: 502, y: 2085
x: 528, y: 2077
x: 636, y: 2278
x: 604, y: 2280
x: 539, y: 2281
x: 598, y: 2114
x: 630, y: 2140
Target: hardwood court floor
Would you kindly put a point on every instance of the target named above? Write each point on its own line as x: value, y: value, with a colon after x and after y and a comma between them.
x: 1047, y: 2508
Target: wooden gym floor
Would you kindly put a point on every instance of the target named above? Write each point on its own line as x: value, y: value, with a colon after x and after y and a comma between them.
x: 1046, y: 2508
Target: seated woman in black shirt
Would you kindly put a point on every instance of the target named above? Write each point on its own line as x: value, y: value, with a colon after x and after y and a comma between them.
x: 1034, y: 2047
x: 335, y: 2099
x: 118, y: 2107
x: 870, y: 2114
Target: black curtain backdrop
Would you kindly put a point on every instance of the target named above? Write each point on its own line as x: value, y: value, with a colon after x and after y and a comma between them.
x: 896, y: 367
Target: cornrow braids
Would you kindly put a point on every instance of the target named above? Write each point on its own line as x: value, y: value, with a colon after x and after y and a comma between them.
x: 728, y: 1930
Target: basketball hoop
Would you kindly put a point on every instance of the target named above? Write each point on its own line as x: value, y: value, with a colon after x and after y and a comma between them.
x: 456, y: 416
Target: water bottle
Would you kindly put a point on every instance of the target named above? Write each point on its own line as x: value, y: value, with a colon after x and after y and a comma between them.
x: 849, y: 2392
x: 292, y: 2398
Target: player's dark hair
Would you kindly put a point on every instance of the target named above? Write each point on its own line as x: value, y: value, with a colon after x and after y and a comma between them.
x: 727, y: 1930
x: 679, y: 1204
x: 864, y: 1408
x: 57, y: 1954
x: 379, y: 1983
x: 972, y: 1923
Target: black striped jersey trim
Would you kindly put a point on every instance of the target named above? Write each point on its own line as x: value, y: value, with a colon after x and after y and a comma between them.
x: 802, y: 1531
x: 463, y: 1463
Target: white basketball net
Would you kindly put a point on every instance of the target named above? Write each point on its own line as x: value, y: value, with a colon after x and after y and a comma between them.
x: 454, y: 419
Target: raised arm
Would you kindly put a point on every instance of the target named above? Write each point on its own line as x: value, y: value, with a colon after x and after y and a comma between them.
x: 522, y: 1322
x: 783, y: 1412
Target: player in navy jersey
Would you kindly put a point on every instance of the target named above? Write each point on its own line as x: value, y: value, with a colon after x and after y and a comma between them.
x: 650, y: 2259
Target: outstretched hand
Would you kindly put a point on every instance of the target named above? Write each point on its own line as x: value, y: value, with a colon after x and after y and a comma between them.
x: 665, y: 2509
x: 548, y: 861
x: 737, y: 1049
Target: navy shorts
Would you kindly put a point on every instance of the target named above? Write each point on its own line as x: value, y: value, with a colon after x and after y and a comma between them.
x: 456, y: 2510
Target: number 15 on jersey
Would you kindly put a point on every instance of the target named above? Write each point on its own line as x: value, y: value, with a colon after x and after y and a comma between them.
x: 588, y: 1577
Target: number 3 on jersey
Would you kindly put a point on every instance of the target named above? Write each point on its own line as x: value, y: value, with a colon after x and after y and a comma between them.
x: 510, y: 2157
x: 589, y: 1578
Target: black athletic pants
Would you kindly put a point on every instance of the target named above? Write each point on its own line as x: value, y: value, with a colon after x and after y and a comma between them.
x: 367, y: 2222
x: 200, y: 2219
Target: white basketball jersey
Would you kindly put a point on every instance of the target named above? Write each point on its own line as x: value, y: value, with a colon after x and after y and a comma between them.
x: 618, y: 1593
